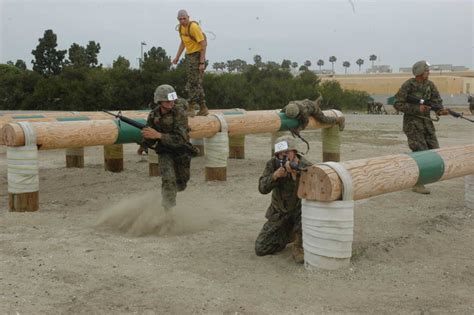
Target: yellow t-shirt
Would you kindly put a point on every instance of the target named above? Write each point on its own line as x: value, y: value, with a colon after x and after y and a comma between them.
x: 191, y: 45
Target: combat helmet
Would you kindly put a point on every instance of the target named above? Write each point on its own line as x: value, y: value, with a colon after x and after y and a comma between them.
x: 292, y: 110
x: 420, y: 67
x: 165, y: 92
x: 285, y: 143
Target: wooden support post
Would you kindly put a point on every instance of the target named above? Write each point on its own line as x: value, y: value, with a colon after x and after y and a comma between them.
x: 153, y: 165
x: 237, y: 147
x: 23, y: 202
x: 113, y: 158
x: 331, y: 144
x: 75, y: 158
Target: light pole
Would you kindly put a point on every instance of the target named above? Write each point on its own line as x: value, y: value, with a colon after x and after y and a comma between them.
x: 141, y: 54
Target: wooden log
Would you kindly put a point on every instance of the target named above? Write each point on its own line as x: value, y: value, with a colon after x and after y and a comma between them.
x: 215, y: 174
x: 380, y: 175
x: 113, y: 158
x: 23, y: 202
x: 69, y: 134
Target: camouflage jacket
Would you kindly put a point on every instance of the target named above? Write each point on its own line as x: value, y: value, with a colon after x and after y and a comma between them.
x: 425, y: 90
x: 307, y: 109
x: 173, y: 125
x: 284, y: 190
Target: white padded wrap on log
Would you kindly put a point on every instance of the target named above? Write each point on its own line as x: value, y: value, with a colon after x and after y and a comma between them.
x: 22, y: 163
x: 345, y: 176
x: 217, y: 146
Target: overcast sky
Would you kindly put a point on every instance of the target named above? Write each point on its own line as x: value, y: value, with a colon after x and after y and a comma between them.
x: 398, y: 32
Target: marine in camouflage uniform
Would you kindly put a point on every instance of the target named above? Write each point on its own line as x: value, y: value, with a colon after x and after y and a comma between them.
x: 304, y: 109
x: 284, y: 213
x: 174, y: 160
x: 417, y: 123
x: 470, y: 100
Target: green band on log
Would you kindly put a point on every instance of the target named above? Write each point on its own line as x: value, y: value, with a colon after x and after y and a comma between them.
x: 27, y: 116
x: 74, y: 118
x: 128, y: 133
x: 287, y: 123
x: 430, y: 165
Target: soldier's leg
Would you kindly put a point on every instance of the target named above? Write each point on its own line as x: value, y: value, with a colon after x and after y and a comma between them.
x: 192, y: 63
x: 430, y: 137
x: 273, y: 237
x: 168, y: 181
x: 297, y: 250
x: 416, y: 139
x: 182, y: 170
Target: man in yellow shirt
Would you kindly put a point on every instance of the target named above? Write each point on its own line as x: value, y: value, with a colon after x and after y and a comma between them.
x: 194, y: 40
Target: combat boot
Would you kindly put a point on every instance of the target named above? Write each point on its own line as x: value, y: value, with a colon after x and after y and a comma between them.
x: 341, y: 121
x: 203, y: 111
x: 297, y: 251
x: 421, y: 189
x: 190, y: 110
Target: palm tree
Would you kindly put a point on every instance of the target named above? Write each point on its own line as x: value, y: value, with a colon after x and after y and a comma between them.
x: 373, y: 58
x: 294, y: 65
x: 346, y: 64
x: 320, y: 63
x: 307, y: 64
x: 257, y: 59
x: 216, y: 65
x: 360, y: 62
x: 332, y: 60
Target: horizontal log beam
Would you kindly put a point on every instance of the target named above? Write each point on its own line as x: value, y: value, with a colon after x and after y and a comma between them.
x: 381, y: 175
x: 82, y: 133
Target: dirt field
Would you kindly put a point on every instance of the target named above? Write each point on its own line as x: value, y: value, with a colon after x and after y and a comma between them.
x: 412, y: 253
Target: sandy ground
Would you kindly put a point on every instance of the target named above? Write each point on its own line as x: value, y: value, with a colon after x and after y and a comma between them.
x: 412, y: 253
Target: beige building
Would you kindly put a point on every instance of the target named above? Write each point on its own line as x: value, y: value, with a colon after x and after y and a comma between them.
x: 452, y: 83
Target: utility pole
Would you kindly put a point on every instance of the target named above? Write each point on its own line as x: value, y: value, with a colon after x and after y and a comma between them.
x: 141, y: 55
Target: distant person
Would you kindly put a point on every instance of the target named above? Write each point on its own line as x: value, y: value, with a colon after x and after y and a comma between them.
x: 195, y: 43
x: 470, y: 100
x: 284, y: 213
x: 417, y: 124
x: 171, y: 144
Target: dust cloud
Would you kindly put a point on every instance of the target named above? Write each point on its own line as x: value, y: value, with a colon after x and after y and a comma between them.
x: 142, y: 214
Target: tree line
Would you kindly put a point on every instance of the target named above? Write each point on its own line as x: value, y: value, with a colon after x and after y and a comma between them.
x: 74, y: 80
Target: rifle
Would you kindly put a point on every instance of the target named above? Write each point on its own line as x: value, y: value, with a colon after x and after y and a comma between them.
x: 158, y: 148
x: 435, y: 107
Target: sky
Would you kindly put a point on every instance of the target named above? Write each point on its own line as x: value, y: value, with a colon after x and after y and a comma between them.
x: 398, y: 32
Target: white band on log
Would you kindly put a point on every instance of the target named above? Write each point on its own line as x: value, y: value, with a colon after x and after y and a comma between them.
x: 217, y: 146
x: 345, y: 176
x: 22, y: 164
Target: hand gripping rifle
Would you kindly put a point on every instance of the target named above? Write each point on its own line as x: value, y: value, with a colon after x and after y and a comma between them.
x: 435, y: 107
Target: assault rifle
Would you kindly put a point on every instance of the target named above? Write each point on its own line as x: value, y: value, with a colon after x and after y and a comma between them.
x: 187, y: 148
x: 435, y: 107
x: 293, y: 165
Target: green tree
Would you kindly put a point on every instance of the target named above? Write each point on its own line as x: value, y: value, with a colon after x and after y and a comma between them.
x: 372, y: 58
x: 48, y: 60
x: 121, y: 62
x: 20, y: 64
x: 77, y: 56
x: 294, y: 65
x: 257, y: 60
x: 332, y: 60
x: 307, y: 64
x: 360, y: 62
x: 346, y: 64
x: 92, y: 51
x: 303, y: 68
x: 286, y: 64
x: 156, y: 60
x: 320, y: 63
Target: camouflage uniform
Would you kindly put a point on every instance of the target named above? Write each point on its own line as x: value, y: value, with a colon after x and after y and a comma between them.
x: 418, y: 125
x: 470, y: 100
x: 309, y: 108
x: 174, y: 162
x: 194, y: 79
x: 284, y: 213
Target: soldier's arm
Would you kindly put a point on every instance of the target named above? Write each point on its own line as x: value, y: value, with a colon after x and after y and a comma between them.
x: 401, y: 101
x: 266, y: 183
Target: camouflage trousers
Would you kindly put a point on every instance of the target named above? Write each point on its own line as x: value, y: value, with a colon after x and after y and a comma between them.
x: 175, y: 174
x: 421, y: 136
x: 194, y: 79
x: 277, y: 232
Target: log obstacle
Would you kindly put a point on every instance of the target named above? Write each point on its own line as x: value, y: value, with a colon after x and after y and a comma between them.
x: 79, y: 133
x: 329, y: 189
